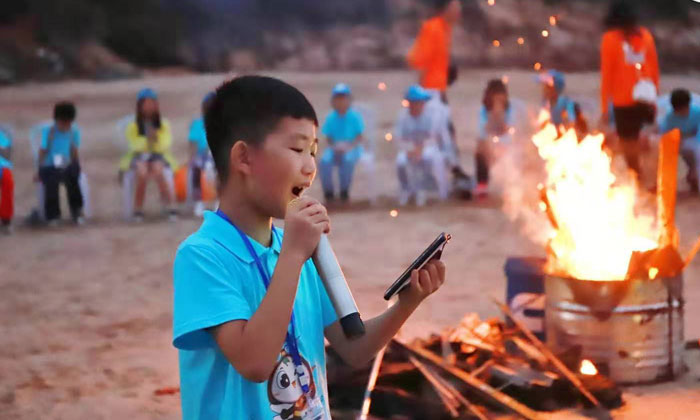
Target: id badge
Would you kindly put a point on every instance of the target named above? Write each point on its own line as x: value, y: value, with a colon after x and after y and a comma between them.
x: 58, y: 161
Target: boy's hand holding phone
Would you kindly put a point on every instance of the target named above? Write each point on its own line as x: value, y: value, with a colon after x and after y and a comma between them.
x: 424, y: 282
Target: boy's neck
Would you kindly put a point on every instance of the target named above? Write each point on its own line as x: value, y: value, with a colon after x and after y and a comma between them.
x: 247, y: 219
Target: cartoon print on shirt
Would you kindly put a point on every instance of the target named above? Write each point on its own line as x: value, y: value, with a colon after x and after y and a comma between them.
x: 284, y: 390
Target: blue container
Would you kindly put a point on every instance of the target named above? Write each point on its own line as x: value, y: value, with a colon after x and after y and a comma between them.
x: 525, y: 291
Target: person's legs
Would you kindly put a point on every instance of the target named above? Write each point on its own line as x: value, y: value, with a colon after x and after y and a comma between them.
x: 437, y: 167
x: 50, y: 177
x: 402, y: 171
x: 196, y: 182
x: 629, y: 121
x: 7, y: 187
x: 141, y: 174
x: 631, y: 152
x: 689, y: 153
x: 325, y: 169
x: 157, y: 171
x: 345, y: 172
x: 482, y: 162
x: 71, y: 178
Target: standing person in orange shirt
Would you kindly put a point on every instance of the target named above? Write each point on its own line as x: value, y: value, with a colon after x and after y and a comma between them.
x: 629, y: 72
x: 430, y: 56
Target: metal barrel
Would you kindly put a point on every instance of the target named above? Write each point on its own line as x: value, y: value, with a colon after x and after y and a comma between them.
x: 631, y: 330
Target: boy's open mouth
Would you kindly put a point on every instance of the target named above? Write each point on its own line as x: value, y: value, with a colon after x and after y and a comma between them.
x: 297, y: 191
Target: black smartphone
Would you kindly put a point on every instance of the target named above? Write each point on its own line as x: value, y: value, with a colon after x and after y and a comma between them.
x: 434, y: 251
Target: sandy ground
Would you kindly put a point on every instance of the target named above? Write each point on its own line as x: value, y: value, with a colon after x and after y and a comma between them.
x: 85, y: 313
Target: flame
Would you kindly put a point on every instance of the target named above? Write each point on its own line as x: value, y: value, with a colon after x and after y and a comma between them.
x: 553, y: 20
x: 653, y: 272
x: 545, y: 33
x: 588, y: 368
x: 593, y: 212
x: 381, y: 86
x: 394, y: 213
x: 388, y: 137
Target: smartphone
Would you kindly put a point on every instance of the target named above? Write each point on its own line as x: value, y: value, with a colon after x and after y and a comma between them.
x: 433, y: 251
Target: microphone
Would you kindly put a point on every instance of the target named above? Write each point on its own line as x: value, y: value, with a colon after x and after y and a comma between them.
x: 334, y: 281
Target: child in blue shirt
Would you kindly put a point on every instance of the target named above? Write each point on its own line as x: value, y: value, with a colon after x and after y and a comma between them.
x: 7, y: 184
x: 685, y: 117
x: 250, y: 311
x: 343, y: 128
x: 59, y: 163
x: 200, y: 157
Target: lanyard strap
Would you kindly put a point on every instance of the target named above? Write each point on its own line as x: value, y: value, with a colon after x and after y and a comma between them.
x: 290, y: 339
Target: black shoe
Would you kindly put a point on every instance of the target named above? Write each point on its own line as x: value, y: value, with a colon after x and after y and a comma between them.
x: 329, y: 197
x: 344, y: 197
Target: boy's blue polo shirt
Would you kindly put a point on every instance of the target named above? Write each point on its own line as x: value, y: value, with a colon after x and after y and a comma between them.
x: 216, y: 281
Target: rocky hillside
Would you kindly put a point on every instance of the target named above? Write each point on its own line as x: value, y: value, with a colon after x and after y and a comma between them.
x: 65, y: 38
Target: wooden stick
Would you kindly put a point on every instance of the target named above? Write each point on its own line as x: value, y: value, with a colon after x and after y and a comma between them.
x: 448, y: 400
x: 549, y: 355
x: 667, y: 183
x: 478, y: 371
x: 692, y: 253
x: 461, y: 398
x: 374, y: 373
x: 473, y: 383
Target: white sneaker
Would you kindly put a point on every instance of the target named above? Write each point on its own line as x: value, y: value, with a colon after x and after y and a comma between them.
x: 421, y: 198
x: 79, y: 221
x: 199, y: 209
x: 404, y: 196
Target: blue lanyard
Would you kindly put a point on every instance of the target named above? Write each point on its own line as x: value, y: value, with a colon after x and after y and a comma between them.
x: 291, y: 335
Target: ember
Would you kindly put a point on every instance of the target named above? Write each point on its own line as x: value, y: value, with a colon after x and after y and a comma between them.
x: 587, y: 368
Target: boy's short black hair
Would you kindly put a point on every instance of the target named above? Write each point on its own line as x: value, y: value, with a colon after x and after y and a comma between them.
x: 680, y: 99
x: 248, y: 108
x: 64, y: 111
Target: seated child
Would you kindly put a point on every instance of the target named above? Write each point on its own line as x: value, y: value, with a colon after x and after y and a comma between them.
x: 343, y: 128
x: 686, y: 117
x: 200, y: 156
x: 149, y: 139
x: 424, y: 147
x: 496, y: 121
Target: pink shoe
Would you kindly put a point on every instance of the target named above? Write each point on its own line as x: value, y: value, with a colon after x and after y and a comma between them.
x: 482, y: 190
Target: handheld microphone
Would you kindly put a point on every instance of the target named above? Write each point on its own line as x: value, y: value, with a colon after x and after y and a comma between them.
x: 334, y: 281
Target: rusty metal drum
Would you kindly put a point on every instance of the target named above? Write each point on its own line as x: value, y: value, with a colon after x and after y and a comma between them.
x: 631, y: 330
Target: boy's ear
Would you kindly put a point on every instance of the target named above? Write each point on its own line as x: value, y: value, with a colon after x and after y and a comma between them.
x: 239, y: 157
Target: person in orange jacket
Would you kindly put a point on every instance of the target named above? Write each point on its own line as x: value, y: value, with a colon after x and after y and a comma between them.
x: 629, y: 73
x: 430, y: 54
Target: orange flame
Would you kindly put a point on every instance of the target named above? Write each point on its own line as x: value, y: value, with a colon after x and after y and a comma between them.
x: 594, y: 214
x: 588, y: 368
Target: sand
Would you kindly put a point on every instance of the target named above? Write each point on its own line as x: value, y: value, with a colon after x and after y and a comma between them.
x: 86, y: 312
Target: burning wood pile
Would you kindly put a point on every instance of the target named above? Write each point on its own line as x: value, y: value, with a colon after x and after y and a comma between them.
x: 475, y: 370
x: 613, y: 282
